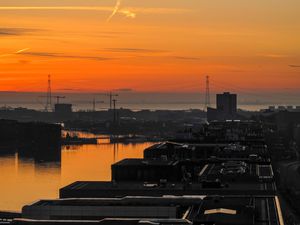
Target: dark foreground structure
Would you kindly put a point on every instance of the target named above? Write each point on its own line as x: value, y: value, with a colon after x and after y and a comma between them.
x: 226, y: 177
x: 41, y: 141
x: 182, y: 209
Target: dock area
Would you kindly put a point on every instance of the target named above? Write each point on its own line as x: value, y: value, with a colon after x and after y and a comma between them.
x: 221, y: 181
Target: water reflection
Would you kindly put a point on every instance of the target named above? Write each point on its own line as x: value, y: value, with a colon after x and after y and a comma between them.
x: 27, y: 178
x: 47, y: 155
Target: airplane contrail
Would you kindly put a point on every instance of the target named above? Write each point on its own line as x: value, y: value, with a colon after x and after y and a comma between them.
x: 71, y: 8
x: 16, y: 52
x: 99, y: 8
x: 116, y: 8
x: 128, y: 13
x: 22, y: 50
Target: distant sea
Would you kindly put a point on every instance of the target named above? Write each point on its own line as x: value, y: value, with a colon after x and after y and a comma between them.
x: 133, y: 106
x: 139, y: 101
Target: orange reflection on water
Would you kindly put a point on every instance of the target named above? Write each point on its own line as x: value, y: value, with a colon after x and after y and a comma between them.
x: 89, y: 163
x: 24, y: 180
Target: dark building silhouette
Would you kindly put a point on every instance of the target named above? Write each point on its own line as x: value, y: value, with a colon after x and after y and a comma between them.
x: 31, y: 139
x: 227, y: 102
x: 63, y: 111
x: 63, y: 108
x: 226, y: 108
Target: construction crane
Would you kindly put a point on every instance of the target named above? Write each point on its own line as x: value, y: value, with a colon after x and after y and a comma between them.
x: 110, y: 95
x: 57, y: 97
x: 94, y: 103
x: 48, y: 105
x: 115, y: 113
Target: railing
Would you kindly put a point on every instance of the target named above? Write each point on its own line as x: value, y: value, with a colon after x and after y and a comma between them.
x: 7, y: 216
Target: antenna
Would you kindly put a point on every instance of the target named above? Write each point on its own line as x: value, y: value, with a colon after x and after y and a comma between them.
x: 207, y: 94
x: 48, y: 106
x: 115, y: 115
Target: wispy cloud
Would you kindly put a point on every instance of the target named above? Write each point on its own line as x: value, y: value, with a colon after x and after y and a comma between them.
x: 127, y: 11
x: 68, y: 89
x: 71, y: 8
x: 124, y: 90
x: 133, y: 50
x: 60, y: 55
x: 185, y: 58
x: 274, y: 56
x: 145, y: 10
x: 294, y: 66
x: 144, y: 52
x: 15, y: 31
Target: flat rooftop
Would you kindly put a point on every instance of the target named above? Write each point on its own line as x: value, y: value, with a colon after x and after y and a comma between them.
x: 145, y: 162
x: 215, y: 209
x: 90, y: 189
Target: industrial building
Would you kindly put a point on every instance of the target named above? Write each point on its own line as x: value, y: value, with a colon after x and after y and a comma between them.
x: 199, y: 209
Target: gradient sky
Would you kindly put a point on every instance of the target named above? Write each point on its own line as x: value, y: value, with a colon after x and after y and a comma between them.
x: 149, y: 45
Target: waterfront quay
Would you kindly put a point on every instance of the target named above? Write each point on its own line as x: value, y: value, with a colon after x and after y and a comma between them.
x: 226, y: 177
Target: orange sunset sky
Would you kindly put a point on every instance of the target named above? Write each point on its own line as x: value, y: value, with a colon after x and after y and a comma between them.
x: 149, y: 45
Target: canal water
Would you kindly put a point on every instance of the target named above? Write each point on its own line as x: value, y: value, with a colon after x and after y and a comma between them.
x: 24, y: 180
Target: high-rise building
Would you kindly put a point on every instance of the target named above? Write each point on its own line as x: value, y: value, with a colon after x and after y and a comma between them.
x: 226, y: 108
x: 227, y: 103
